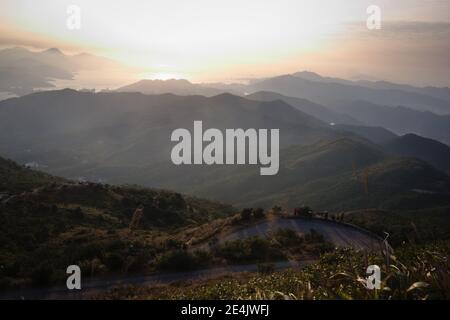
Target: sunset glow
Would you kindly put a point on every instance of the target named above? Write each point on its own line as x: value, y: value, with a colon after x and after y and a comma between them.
x: 225, y: 40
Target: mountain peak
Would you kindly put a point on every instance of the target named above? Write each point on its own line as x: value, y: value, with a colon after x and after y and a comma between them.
x: 308, y: 75
x: 53, y: 51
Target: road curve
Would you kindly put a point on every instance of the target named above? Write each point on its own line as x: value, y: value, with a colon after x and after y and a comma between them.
x: 341, y: 235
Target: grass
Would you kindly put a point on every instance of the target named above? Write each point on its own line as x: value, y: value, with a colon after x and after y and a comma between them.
x: 415, y: 272
x: 404, y: 226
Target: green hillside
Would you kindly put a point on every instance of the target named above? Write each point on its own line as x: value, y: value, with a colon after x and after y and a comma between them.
x: 47, y: 223
x: 341, y: 174
x: 16, y: 178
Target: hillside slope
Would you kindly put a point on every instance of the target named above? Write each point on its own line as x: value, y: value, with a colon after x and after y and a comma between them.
x: 51, y: 223
x: 411, y: 145
x: 331, y: 175
x: 15, y: 178
x: 316, y: 110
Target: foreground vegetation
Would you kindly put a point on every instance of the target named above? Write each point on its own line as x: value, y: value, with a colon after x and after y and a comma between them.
x: 282, y: 245
x: 414, y: 272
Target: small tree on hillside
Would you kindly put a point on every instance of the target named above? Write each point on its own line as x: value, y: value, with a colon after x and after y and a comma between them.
x: 305, y: 212
x: 136, y: 218
x: 258, y: 213
x: 276, y: 210
x: 246, y: 214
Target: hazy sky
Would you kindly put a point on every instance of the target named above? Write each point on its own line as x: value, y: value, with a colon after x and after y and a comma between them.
x: 209, y: 40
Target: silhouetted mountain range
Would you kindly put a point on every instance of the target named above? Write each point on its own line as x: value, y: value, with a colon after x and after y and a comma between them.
x: 23, y: 71
x: 125, y: 138
x: 179, y: 87
x: 440, y: 93
x: 401, y: 120
x: 333, y: 93
x: 320, y: 112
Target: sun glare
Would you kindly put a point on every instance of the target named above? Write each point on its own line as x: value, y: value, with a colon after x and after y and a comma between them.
x: 163, y: 76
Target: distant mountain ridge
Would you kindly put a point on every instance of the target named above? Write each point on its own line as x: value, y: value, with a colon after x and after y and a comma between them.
x: 411, y: 145
x: 23, y: 71
x: 437, y: 92
x: 316, y: 110
x: 378, y: 135
x: 401, y: 120
x: 124, y: 138
x: 332, y: 93
x: 179, y: 87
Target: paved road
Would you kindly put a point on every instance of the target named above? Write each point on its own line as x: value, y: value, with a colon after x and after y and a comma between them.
x: 91, y: 287
x: 340, y: 235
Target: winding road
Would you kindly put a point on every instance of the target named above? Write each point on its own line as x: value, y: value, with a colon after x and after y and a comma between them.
x: 341, y: 235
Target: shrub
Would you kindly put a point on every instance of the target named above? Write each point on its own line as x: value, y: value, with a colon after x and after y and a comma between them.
x: 42, y: 275
x: 114, y: 262
x: 276, y: 210
x: 287, y: 237
x: 180, y: 260
x: 246, y: 214
x: 258, y: 213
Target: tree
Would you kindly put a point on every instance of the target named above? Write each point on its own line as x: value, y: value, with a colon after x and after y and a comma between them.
x: 258, y: 213
x: 136, y: 218
x: 304, y: 212
x: 276, y: 210
x: 246, y: 214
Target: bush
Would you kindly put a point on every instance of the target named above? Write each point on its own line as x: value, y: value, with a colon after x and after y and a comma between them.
x: 258, y: 213
x: 42, y: 275
x: 246, y: 214
x: 276, y: 210
x: 253, y: 249
x: 114, y: 262
x: 287, y: 237
x: 314, y: 236
x: 180, y: 260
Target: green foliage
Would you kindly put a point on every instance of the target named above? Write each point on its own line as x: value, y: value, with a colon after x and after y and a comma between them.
x: 406, y: 226
x: 415, y: 272
x: 276, y: 210
x: 287, y: 237
x: 181, y: 260
x: 258, y: 213
x: 246, y: 214
x: 279, y: 246
x: 253, y: 249
x: 48, y: 219
x: 15, y: 178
